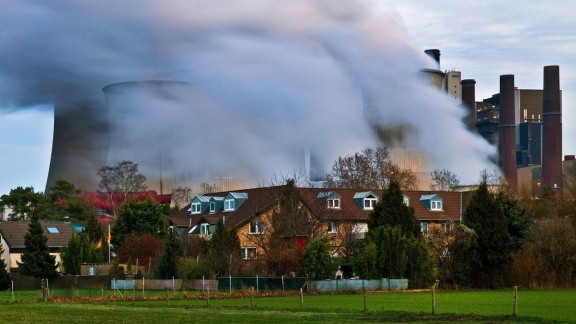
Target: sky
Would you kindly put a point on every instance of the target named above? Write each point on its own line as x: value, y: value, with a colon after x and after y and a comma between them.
x: 483, y: 40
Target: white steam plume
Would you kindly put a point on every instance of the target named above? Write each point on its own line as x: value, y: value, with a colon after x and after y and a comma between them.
x: 267, y: 79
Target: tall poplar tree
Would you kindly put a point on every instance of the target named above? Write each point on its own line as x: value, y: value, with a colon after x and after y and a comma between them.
x: 36, y: 260
x: 491, y: 254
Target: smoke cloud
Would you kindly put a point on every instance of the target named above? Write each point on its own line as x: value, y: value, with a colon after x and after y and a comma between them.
x: 262, y: 81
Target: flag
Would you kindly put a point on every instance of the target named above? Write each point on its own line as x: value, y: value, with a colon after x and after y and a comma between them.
x: 109, y: 235
x: 99, y: 244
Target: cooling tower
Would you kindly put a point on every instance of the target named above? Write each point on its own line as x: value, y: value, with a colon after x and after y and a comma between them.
x: 507, y: 131
x: 79, y: 145
x: 552, y: 132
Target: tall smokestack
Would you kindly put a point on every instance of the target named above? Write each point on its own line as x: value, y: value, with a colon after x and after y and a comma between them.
x: 552, y: 137
x: 507, y: 130
x: 469, y: 101
x: 435, y: 54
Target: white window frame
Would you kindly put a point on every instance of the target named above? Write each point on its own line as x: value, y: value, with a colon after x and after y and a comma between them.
x: 205, y: 229
x: 212, y: 206
x: 371, y: 202
x: 406, y: 200
x: 333, y: 203
x: 424, y: 227
x: 436, y: 205
x: 256, y: 228
x: 246, y: 255
x: 195, y: 208
x: 229, y: 205
x: 332, y: 227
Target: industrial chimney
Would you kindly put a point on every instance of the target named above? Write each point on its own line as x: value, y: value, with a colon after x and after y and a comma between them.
x: 507, y: 131
x: 469, y: 101
x: 552, y: 137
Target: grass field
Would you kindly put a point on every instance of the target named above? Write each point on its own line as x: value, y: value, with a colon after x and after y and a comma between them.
x: 558, y: 306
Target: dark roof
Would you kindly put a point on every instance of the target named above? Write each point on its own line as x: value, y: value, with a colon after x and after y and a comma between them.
x: 13, y: 233
x: 260, y: 199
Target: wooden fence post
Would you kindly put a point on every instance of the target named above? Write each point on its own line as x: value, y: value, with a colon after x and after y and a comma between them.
x: 434, y: 300
x: 301, y: 299
x: 252, y: 298
x: 515, y: 308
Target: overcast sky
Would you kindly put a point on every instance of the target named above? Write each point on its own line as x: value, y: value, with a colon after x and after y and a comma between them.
x: 482, y: 39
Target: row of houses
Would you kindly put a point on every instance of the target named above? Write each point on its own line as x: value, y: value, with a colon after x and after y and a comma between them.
x: 336, y: 213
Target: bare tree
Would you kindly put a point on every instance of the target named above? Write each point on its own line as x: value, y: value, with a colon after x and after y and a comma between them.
x: 122, y: 180
x: 444, y: 180
x: 181, y: 196
x: 210, y: 187
x: 370, y: 169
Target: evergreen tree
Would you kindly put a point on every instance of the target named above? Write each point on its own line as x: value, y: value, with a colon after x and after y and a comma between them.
x: 492, y: 252
x: 80, y: 249
x: 224, y: 248
x: 36, y: 260
x: 319, y: 264
x: 136, y: 217
x: 172, y: 251
x: 93, y: 229
x: 392, y: 211
x: 5, y: 278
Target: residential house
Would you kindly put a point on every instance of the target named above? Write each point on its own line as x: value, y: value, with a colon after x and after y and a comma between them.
x: 341, y: 214
x: 12, y: 238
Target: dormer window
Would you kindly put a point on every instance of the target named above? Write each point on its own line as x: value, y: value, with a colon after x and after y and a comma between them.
x: 195, y: 208
x: 212, y: 207
x: 432, y: 201
x: 330, y: 198
x: 367, y: 200
x: 229, y: 205
x: 333, y: 203
x: 370, y: 202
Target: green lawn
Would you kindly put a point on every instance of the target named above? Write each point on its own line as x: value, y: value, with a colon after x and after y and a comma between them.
x: 556, y: 306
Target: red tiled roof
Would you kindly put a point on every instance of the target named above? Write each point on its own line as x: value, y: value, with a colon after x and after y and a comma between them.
x: 260, y: 199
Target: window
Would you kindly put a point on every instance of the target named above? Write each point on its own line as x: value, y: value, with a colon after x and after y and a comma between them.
x: 212, y: 207
x: 406, y: 200
x: 424, y: 227
x: 257, y: 228
x: 195, y: 209
x: 332, y: 227
x: 369, y: 202
x: 333, y: 203
x: 52, y: 230
x: 248, y: 253
x: 436, y: 205
x: 205, y: 228
x: 229, y: 204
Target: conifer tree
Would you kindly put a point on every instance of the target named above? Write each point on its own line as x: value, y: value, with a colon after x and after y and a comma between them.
x: 80, y: 249
x: 224, y: 248
x: 172, y: 250
x: 492, y: 251
x: 5, y: 278
x: 392, y: 211
x: 36, y: 260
